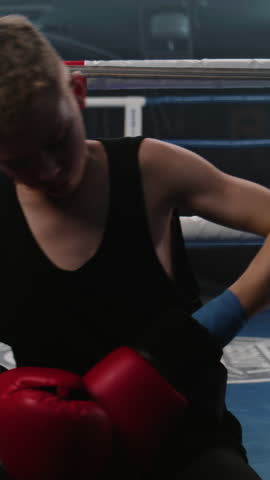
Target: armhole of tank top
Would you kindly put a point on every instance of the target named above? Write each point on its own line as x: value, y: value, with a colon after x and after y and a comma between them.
x: 181, y: 261
x: 125, y: 180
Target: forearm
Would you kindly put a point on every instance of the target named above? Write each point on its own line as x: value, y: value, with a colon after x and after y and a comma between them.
x: 253, y: 287
x: 226, y: 315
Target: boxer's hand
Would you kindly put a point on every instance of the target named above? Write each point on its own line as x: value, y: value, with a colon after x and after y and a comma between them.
x: 142, y: 406
x: 188, y: 356
x: 50, y: 427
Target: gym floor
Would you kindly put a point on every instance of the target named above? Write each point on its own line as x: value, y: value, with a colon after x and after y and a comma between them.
x: 248, y: 394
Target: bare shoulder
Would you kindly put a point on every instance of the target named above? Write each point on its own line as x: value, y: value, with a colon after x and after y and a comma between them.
x: 179, y: 171
x: 161, y: 154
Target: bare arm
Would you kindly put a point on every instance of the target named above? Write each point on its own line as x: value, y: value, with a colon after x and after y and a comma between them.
x: 189, y: 180
x: 253, y: 287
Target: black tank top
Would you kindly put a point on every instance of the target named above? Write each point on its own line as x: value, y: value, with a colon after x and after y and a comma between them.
x: 70, y: 320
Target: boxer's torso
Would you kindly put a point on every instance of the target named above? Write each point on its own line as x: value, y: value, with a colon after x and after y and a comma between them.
x: 92, y: 275
x: 71, y: 236
x: 76, y: 297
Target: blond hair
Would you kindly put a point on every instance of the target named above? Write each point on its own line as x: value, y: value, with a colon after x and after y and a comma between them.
x: 28, y: 65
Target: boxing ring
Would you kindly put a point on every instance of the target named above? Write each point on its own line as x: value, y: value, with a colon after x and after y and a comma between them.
x: 217, y: 254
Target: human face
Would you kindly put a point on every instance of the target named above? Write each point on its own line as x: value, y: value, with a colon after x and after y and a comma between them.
x: 49, y: 151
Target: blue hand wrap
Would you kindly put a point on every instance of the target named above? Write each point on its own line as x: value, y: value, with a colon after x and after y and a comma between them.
x: 223, y: 316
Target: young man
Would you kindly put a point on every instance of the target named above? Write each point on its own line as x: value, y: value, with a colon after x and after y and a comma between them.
x: 91, y: 248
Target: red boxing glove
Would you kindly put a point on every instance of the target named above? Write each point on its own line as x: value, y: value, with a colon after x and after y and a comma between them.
x: 47, y: 435
x: 141, y: 404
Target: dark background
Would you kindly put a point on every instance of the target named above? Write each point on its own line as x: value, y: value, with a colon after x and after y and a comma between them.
x: 165, y: 29
x: 121, y: 29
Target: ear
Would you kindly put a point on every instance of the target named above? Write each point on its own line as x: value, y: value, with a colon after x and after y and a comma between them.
x: 79, y: 86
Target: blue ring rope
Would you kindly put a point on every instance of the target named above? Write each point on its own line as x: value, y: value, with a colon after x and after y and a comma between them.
x: 210, y: 99
x: 246, y: 143
x: 222, y: 243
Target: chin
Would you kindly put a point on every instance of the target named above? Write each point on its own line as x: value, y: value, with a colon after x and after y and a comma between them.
x: 61, y: 191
